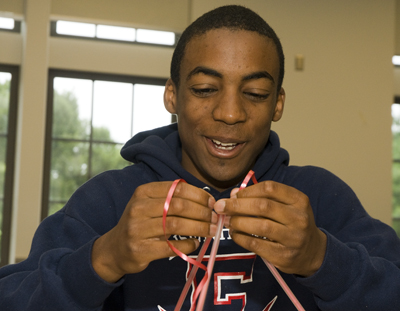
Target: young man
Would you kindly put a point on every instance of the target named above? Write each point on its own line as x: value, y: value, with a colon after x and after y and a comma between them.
x: 105, y: 250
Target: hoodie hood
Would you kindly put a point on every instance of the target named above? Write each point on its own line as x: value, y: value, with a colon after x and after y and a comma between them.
x: 161, y: 150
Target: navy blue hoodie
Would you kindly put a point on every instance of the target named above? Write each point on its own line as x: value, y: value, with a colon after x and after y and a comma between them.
x: 360, y: 270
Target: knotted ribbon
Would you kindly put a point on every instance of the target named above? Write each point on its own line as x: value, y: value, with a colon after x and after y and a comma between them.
x: 203, y: 285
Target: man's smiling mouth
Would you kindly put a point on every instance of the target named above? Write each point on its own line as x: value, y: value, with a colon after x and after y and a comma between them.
x: 224, y: 146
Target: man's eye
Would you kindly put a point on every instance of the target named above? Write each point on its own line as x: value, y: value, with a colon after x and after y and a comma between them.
x: 203, y: 92
x: 256, y: 96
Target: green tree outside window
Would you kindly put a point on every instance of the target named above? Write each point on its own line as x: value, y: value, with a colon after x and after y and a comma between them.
x: 71, y: 164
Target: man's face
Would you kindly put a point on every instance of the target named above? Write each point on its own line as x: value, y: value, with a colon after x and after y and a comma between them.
x: 225, y: 103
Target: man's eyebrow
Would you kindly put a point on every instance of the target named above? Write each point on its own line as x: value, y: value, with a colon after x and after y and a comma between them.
x: 214, y: 73
x: 259, y: 75
x: 204, y: 70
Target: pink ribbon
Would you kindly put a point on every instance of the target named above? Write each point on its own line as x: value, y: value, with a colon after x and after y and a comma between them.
x: 203, y: 285
x: 196, y: 263
x: 271, y: 268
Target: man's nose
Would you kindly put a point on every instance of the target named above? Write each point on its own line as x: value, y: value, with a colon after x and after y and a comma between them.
x: 229, y: 108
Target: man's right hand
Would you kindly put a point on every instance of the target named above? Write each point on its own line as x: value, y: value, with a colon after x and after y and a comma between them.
x: 138, y: 238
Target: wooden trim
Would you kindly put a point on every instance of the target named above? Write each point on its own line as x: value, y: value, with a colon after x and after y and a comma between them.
x: 10, y: 163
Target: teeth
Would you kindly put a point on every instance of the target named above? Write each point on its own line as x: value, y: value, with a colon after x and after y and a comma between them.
x: 224, y: 146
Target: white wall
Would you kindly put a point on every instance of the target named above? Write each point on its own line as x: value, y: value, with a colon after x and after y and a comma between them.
x: 337, y: 113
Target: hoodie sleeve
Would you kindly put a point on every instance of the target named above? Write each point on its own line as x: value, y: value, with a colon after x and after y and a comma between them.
x: 361, y: 269
x: 58, y: 274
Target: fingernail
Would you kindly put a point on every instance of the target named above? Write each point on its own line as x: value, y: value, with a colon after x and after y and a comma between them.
x: 234, y: 193
x: 213, y: 229
x: 227, y: 221
x: 214, y: 218
x: 211, y: 202
x: 219, y: 206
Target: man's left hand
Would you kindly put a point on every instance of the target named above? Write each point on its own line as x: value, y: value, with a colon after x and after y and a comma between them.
x: 277, y: 223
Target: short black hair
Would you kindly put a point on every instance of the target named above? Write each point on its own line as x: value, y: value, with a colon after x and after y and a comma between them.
x: 233, y: 17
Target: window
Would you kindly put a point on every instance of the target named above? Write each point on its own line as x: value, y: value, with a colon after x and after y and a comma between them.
x: 9, y: 24
x: 8, y: 115
x: 396, y: 164
x: 115, y: 33
x: 89, y: 118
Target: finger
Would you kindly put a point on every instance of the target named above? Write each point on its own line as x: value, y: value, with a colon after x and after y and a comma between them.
x: 185, y: 246
x: 291, y: 260
x: 153, y: 228
x: 234, y: 192
x: 178, y: 207
x: 157, y: 249
x: 182, y: 190
x: 272, y: 190
x: 258, y: 207
x: 270, y: 250
x: 263, y: 228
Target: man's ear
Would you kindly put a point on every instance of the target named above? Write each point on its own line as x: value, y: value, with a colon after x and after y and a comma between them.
x: 170, y: 97
x: 280, y: 103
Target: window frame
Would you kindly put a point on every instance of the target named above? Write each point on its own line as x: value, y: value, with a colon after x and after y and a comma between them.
x: 53, y: 33
x: 396, y: 100
x: 10, y: 162
x: 54, y: 73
